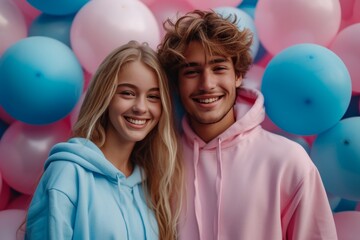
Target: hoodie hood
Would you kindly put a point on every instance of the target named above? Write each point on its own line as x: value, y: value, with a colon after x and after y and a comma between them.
x: 86, y: 154
x: 249, y: 112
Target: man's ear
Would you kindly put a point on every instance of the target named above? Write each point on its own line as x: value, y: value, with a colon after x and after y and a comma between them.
x: 238, y: 80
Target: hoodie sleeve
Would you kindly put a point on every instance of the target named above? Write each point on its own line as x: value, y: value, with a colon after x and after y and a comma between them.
x: 51, y: 217
x: 309, y: 214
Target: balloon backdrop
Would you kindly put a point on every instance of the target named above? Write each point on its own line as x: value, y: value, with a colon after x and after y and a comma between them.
x: 346, y: 46
x: 307, y: 89
x: 12, y: 25
x: 101, y: 26
x: 244, y: 20
x: 336, y: 153
x: 208, y: 4
x: 41, y: 80
x: 57, y: 27
x: 10, y: 223
x: 24, y: 149
x: 55, y: 7
x: 283, y: 23
x: 347, y: 225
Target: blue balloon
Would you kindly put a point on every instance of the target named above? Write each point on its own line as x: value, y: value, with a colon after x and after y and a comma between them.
x: 56, y: 7
x: 307, y: 89
x: 336, y: 153
x: 41, y: 80
x: 248, y: 3
x: 57, y: 27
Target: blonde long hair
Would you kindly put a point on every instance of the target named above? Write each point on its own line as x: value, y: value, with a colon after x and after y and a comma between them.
x: 159, y: 153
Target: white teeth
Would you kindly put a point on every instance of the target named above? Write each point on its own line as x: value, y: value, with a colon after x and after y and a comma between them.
x: 208, y: 100
x: 136, y: 121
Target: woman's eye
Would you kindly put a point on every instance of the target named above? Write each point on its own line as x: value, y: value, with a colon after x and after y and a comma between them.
x: 154, y: 97
x: 127, y: 93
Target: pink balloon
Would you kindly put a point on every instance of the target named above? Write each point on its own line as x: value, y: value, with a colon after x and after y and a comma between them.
x: 209, y: 4
x: 1, y: 181
x: 5, y: 195
x: 12, y: 24
x: 282, y: 23
x: 253, y: 77
x: 347, y: 225
x: 10, y: 222
x: 346, y: 46
x: 347, y: 7
x: 166, y: 9
x: 75, y: 112
x: 20, y: 202
x: 24, y: 149
x: 29, y: 11
x: 101, y: 26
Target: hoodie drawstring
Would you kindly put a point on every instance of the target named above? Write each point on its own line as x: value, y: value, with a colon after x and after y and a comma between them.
x: 218, y: 188
x: 123, y: 203
x: 196, y: 186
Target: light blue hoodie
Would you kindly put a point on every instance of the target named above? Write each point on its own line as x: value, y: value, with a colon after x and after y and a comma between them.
x: 81, y: 195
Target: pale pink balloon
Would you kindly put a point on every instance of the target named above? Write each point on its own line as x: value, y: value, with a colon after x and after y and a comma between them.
x: 12, y: 24
x: 101, y: 26
x: 253, y: 77
x: 283, y: 23
x: 20, y: 202
x: 346, y: 46
x: 24, y: 149
x: 28, y: 10
x: 10, y: 222
x: 347, y: 225
x: 166, y: 9
x: 148, y: 2
x: 5, y: 195
x: 209, y: 4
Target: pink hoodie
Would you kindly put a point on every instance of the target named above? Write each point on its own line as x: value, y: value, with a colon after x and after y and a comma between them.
x: 250, y: 184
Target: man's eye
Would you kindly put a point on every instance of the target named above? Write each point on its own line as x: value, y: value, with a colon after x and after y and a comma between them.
x: 218, y: 69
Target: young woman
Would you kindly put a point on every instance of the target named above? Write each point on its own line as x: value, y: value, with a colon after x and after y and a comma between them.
x: 118, y: 176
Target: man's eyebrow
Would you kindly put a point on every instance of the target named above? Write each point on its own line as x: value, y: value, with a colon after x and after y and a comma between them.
x: 195, y: 64
x: 218, y: 60
x: 189, y: 64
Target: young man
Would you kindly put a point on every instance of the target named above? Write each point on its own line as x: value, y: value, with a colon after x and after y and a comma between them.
x: 242, y: 182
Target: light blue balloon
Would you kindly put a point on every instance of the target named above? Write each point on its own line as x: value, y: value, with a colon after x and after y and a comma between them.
x: 244, y: 20
x: 57, y: 27
x: 336, y: 153
x: 57, y: 7
x: 41, y: 80
x: 307, y: 89
x: 261, y: 52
